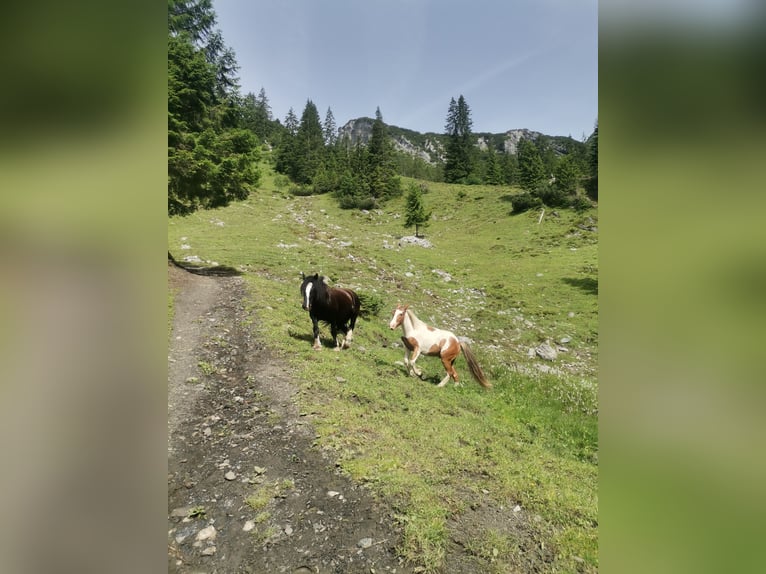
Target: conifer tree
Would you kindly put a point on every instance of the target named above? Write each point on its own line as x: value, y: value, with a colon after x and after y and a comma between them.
x: 211, y: 158
x: 287, y: 145
x: 381, y: 170
x: 291, y: 122
x: 592, y: 184
x: 458, y: 166
x: 566, y: 175
x: 309, y: 146
x: 330, y: 129
x: 531, y: 169
x: 416, y: 213
x: 494, y: 171
x: 263, y: 117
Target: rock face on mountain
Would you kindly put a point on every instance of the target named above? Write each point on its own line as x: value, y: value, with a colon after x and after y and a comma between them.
x: 425, y: 147
x: 513, y: 137
x: 356, y: 131
x: 430, y: 147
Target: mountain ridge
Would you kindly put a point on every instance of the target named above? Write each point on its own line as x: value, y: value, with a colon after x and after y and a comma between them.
x: 430, y: 146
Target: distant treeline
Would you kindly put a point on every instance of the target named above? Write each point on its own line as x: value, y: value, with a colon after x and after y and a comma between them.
x: 215, y: 136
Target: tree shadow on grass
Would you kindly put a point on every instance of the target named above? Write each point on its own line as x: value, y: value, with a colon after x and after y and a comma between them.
x: 207, y: 270
x: 587, y: 284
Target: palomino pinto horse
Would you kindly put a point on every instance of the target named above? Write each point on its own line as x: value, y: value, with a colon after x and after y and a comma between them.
x: 335, y: 306
x: 421, y: 338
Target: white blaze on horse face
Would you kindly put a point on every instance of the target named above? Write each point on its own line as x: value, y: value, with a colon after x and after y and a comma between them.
x: 396, y: 319
x: 307, y: 295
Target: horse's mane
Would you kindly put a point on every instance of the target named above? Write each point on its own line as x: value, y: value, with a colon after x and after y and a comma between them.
x: 323, y: 289
x: 414, y: 318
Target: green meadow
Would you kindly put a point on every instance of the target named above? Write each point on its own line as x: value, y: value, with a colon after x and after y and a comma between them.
x: 507, y: 477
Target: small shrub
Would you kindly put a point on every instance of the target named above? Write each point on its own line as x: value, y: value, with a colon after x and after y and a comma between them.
x: 371, y: 304
x: 281, y: 181
x: 553, y: 197
x: 301, y: 190
x: 581, y: 203
x: 525, y: 202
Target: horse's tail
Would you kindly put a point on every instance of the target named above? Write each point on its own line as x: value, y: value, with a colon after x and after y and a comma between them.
x: 474, y: 367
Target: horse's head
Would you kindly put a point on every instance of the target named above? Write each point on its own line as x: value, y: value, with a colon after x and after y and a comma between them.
x: 308, y: 290
x: 398, y: 316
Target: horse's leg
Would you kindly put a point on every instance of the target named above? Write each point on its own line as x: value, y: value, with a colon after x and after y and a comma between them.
x: 410, y: 348
x: 414, y: 357
x: 317, y: 344
x: 350, y: 333
x: 448, y: 357
x: 334, y: 329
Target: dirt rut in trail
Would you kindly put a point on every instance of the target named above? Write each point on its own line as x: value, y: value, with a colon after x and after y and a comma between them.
x: 247, y: 490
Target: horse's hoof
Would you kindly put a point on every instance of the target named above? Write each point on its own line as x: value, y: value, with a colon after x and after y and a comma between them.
x: 317, y: 347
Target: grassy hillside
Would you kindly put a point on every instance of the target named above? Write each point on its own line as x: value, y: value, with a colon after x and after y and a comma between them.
x: 499, y: 480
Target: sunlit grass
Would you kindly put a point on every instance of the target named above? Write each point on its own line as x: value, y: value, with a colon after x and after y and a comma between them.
x: 531, y: 441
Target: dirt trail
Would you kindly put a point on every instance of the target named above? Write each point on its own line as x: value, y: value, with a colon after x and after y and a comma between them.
x: 247, y: 491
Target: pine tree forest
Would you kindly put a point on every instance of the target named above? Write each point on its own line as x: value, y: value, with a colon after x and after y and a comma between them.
x: 216, y: 138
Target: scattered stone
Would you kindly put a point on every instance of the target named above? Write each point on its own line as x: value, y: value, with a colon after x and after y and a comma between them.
x: 517, y: 508
x: 340, y: 379
x: 209, y: 551
x: 332, y: 493
x: 288, y: 530
x: 208, y: 431
x: 364, y: 543
x: 249, y: 525
x: 192, y: 380
x: 546, y: 352
x: 181, y: 512
x: 230, y: 475
x: 565, y: 340
x: 259, y: 469
x: 208, y: 533
x: 419, y: 241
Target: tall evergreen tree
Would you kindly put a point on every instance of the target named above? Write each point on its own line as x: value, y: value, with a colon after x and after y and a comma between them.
x: 291, y: 122
x: 383, y: 181
x: 211, y: 160
x: 493, y: 170
x: 458, y: 164
x: 330, y: 129
x: 531, y: 168
x: 195, y: 18
x: 592, y: 184
x: 263, y: 118
x: 287, y: 145
x: 309, y: 146
x: 567, y: 175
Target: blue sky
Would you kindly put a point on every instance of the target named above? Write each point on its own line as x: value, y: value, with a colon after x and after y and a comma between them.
x: 518, y: 63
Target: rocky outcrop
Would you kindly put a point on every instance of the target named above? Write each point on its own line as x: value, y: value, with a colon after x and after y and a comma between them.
x: 430, y: 147
x: 513, y: 137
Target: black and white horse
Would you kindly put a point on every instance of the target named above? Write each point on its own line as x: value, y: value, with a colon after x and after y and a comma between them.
x: 336, y: 306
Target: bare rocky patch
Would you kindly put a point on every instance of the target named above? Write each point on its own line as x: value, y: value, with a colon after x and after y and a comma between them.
x: 247, y: 490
